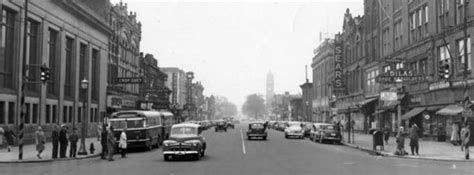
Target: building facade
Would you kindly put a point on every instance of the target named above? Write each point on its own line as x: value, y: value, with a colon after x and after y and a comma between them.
x: 71, y: 38
x: 154, y: 95
x: 307, y: 100
x: 177, y: 83
x: 323, y: 78
x: 124, y: 59
x: 270, y: 91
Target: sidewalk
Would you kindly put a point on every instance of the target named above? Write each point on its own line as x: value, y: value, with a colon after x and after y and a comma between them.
x: 431, y: 150
x: 29, y: 152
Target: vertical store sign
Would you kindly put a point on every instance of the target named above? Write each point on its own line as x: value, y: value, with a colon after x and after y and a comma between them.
x: 174, y: 81
x: 338, y: 80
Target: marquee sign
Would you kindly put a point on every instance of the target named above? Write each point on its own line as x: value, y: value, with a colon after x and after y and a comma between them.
x: 338, y: 80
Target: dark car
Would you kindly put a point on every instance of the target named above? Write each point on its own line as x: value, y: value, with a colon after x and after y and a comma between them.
x: 221, y: 126
x: 257, y: 129
x: 185, y: 140
x: 230, y: 125
x: 328, y: 132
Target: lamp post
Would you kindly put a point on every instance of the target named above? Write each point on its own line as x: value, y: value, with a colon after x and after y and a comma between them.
x: 147, y: 96
x: 82, y: 148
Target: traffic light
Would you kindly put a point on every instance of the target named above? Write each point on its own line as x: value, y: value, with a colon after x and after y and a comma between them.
x: 441, y: 71
x: 447, y: 71
x: 45, y: 74
x: 444, y: 70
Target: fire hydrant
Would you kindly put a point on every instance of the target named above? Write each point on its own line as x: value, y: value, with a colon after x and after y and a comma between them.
x: 91, y: 148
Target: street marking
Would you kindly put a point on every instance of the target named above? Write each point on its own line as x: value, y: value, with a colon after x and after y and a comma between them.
x: 243, y: 141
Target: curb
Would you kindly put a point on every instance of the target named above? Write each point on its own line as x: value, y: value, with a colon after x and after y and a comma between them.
x: 50, y: 160
x: 378, y: 153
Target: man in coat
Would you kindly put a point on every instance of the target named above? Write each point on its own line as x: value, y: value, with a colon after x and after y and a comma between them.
x: 73, y: 138
x: 465, y: 138
x: 103, y: 141
x: 63, y: 142
x: 414, y: 139
x: 55, y: 140
x: 110, y: 143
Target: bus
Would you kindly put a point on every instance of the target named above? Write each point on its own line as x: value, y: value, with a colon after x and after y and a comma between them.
x: 145, y: 129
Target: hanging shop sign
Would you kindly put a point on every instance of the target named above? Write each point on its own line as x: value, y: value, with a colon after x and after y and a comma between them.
x: 394, y: 76
x: 129, y: 80
x: 338, y: 85
x: 439, y: 85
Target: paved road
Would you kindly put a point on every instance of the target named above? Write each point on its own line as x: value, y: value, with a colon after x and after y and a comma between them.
x: 227, y: 154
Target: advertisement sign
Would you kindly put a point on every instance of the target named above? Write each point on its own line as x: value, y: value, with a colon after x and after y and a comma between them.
x: 129, y: 80
x: 388, y: 96
x: 394, y: 76
x: 338, y: 70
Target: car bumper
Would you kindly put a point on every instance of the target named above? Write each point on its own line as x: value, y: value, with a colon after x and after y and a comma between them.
x: 179, y: 153
x: 256, y: 135
x: 294, y: 134
x: 332, y: 138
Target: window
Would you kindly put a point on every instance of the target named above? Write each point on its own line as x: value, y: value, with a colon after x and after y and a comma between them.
x: 2, y: 112
x: 71, y: 120
x: 65, y: 114
x: 52, y: 44
x: 35, y: 113
x: 82, y: 66
x: 11, y: 112
x: 386, y: 68
x: 444, y: 53
x: 464, y: 52
x: 95, y: 71
x: 7, y: 47
x: 91, y: 117
x: 55, y: 114
x: 399, y: 66
x: 48, y: 114
x: 79, y: 115
x: 28, y: 113
x: 68, y: 85
x: 426, y: 13
x: 33, y: 54
x: 423, y: 66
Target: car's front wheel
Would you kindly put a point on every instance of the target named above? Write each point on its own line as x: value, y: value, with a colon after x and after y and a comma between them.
x: 167, y: 157
x: 264, y: 137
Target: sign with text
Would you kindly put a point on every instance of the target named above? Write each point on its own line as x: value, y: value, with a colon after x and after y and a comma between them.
x: 394, y: 76
x: 338, y: 62
x: 388, y: 96
x: 439, y: 85
x: 129, y: 80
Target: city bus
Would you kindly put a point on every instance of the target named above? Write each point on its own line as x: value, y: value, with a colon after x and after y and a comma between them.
x: 145, y: 129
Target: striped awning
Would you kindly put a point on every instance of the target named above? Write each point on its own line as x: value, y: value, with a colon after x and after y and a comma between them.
x: 450, y: 110
x: 413, y: 112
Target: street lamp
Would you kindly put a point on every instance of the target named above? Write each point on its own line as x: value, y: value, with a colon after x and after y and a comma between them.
x: 82, y: 148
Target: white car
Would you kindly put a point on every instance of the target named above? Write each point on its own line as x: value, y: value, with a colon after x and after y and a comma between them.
x: 294, y: 129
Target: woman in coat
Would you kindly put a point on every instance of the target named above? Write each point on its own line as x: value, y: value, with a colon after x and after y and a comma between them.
x: 455, y: 139
x: 40, y: 141
x: 123, y: 142
x: 400, y: 142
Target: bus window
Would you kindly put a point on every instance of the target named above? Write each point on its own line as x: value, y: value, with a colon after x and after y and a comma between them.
x: 120, y: 124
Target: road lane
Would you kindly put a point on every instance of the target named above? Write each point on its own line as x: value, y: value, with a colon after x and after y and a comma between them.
x: 276, y: 156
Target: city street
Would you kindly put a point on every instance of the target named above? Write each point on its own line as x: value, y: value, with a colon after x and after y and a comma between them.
x: 227, y: 155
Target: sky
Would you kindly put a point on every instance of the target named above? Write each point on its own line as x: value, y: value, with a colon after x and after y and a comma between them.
x: 231, y: 46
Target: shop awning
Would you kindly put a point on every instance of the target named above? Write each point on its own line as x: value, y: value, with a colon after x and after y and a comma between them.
x: 450, y: 110
x: 434, y: 108
x: 367, y: 101
x: 413, y: 112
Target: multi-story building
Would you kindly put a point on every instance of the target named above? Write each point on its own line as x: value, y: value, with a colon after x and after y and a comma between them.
x: 69, y: 37
x: 154, y: 95
x: 281, y: 105
x: 323, y: 78
x: 199, y: 100
x: 177, y: 83
x: 270, y: 91
x: 124, y: 58
x: 307, y: 100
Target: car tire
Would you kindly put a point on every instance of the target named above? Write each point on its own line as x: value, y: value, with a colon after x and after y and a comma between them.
x: 265, y: 138
x: 286, y: 136
x: 197, y: 156
x: 167, y: 157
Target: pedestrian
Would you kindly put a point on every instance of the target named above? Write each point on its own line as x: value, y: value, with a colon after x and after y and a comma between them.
x: 123, y: 142
x: 400, y: 142
x: 386, y: 135
x: 10, y: 137
x: 73, y: 138
x: 110, y: 143
x: 99, y: 131
x: 465, y: 135
x: 2, y: 133
x: 40, y: 141
x: 63, y: 141
x: 414, y: 146
x: 455, y: 134
x: 55, y: 141
x: 103, y: 142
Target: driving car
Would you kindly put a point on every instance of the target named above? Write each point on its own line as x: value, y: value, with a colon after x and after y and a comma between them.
x: 230, y: 125
x: 327, y: 132
x: 257, y: 129
x: 294, y: 129
x: 221, y: 125
x: 185, y: 140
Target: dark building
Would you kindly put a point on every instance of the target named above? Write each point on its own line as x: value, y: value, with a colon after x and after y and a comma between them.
x: 154, y: 95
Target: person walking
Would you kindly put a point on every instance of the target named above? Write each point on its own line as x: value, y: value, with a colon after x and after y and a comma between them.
x: 110, y: 143
x: 2, y: 133
x: 386, y: 135
x: 123, y: 142
x: 55, y: 141
x: 63, y: 142
x: 455, y: 134
x: 73, y: 138
x: 400, y: 142
x: 103, y: 142
x: 9, y: 137
x: 40, y: 141
x: 414, y: 139
x: 465, y: 136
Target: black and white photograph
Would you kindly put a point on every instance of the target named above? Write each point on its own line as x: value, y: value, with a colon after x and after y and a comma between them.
x: 236, y: 87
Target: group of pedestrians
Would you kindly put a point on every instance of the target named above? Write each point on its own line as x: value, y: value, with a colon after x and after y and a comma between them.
x: 60, y: 141
x: 7, y: 136
x: 108, y: 142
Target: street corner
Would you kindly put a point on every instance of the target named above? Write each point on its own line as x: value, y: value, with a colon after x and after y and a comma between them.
x: 48, y: 160
x: 370, y: 151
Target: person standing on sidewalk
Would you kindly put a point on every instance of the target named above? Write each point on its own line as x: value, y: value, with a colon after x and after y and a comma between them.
x: 55, y: 140
x: 414, y: 139
x: 63, y: 142
x: 110, y: 143
x: 465, y: 135
x: 103, y: 142
x: 10, y: 137
x: 40, y: 141
x: 400, y: 142
x: 73, y: 138
x: 455, y: 134
x: 123, y: 142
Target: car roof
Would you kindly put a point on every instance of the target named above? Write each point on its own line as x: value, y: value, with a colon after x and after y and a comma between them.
x: 186, y: 125
x: 256, y: 122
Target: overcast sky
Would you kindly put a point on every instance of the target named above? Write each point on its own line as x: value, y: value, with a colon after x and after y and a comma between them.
x: 231, y: 46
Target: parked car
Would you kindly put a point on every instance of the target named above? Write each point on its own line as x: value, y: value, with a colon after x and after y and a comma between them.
x: 294, y: 129
x: 257, y: 129
x: 221, y: 126
x: 314, y: 130
x: 185, y: 140
x: 327, y: 132
x: 230, y: 125
x: 307, y: 126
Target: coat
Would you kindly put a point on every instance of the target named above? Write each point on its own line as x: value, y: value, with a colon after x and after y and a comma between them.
x: 62, y: 136
x: 9, y: 136
x: 73, y: 138
x: 465, y: 135
x: 413, y: 136
x: 40, y: 140
x: 123, y: 141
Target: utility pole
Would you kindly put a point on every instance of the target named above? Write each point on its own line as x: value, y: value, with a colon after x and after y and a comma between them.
x: 22, y: 82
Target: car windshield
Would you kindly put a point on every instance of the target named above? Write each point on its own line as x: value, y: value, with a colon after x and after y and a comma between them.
x: 127, y: 123
x: 256, y: 126
x: 184, y: 131
x: 328, y: 127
